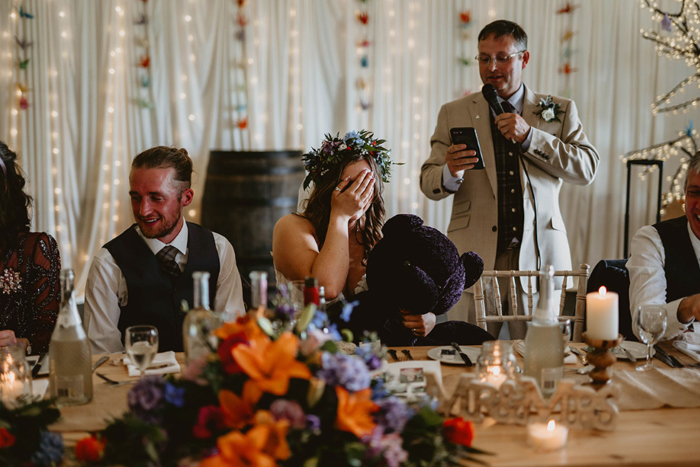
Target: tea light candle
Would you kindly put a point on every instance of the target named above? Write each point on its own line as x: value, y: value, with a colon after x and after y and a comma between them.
x: 10, y: 389
x: 494, y: 375
x: 547, y: 437
x: 602, y: 315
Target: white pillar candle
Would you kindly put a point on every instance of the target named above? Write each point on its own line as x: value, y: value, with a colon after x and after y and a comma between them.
x: 602, y: 315
x: 547, y: 437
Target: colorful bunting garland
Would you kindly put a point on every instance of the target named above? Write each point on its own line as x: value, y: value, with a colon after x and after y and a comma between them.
x: 240, y: 121
x: 567, y: 51
x: 23, y: 46
x: 144, y: 62
x: 464, y: 29
x: 363, y: 43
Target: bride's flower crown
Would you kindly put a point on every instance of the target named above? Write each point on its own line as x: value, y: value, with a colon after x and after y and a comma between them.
x: 334, y: 150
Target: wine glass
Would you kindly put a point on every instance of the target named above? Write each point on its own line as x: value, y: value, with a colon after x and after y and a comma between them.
x: 141, y: 346
x: 651, y: 323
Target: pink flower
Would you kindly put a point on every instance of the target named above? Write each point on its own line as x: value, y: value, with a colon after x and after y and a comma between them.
x: 316, y: 338
x: 193, y: 371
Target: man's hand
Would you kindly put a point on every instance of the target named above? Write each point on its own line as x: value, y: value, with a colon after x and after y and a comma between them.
x: 458, y: 159
x: 513, y: 126
x: 7, y: 337
x: 688, y: 309
x: 421, y: 325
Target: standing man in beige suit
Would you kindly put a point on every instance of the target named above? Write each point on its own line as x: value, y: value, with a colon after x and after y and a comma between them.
x: 508, y: 213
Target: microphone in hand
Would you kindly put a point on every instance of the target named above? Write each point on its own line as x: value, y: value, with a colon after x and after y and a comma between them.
x: 491, y: 95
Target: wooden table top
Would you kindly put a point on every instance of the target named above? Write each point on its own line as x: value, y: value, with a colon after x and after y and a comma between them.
x: 663, y: 437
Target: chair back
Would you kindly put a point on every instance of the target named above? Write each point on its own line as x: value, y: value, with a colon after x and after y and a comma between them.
x: 526, y: 315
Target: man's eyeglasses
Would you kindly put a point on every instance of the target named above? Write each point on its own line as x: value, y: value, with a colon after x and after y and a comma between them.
x: 485, y: 60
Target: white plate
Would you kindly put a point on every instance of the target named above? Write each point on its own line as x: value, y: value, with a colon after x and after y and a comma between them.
x: 436, y: 354
x: 637, y: 349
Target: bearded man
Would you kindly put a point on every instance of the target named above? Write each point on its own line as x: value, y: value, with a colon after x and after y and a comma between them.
x: 143, y: 275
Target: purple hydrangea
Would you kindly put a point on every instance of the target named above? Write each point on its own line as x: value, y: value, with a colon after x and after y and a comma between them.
x: 393, y: 414
x: 347, y: 371
x: 174, y: 395
x: 146, y: 398
x: 51, y: 449
x: 390, y: 447
x: 364, y: 351
x: 283, y: 409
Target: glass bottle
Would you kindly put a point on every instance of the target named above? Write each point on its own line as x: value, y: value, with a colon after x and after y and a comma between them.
x: 70, y: 358
x: 544, y: 347
x: 197, y: 330
x: 311, y: 293
x: 258, y: 292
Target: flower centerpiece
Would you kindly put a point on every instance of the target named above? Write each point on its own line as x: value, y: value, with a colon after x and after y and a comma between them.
x: 24, y: 437
x: 265, y: 397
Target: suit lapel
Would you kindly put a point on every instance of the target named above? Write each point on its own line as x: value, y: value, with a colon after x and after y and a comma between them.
x: 479, y: 110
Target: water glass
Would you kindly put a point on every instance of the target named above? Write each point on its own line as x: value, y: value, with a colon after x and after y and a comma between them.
x: 15, y: 375
x: 141, y: 346
x: 651, y: 321
x: 496, y: 362
x: 565, y: 325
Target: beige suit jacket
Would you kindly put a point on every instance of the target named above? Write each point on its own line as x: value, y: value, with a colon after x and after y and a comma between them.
x: 558, y: 152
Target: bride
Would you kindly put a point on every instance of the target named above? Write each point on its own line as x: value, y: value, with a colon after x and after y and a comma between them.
x: 344, y: 215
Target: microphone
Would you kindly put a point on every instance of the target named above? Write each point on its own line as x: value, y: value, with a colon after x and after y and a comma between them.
x: 491, y: 95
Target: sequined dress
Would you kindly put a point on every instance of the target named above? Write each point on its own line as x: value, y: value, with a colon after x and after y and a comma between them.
x: 30, y: 288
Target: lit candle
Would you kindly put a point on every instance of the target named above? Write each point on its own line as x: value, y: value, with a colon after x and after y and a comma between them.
x: 494, y: 375
x: 602, y: 315
x: 547, y: 437
x: 10, y: 389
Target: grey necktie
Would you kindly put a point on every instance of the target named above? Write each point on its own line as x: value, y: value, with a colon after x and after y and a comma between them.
x: 166, y: 259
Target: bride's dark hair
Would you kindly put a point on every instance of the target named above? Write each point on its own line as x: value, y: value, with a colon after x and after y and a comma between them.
x: 14, y: 202
x: 318, y: 206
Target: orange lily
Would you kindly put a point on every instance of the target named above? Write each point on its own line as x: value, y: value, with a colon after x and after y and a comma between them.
x: 271, y: 364
x: 246, y: 325
x: 242, y: 450
x: 276, y: 445
x: 239, y: 410
x: 354, y: 412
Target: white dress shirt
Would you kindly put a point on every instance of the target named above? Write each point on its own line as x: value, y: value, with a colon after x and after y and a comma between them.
x: 517, y: 101
x: 106, y: 289
x: 648, y: 279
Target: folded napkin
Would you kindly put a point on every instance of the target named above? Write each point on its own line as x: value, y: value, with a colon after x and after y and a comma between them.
x: 39, y: 387
x: 691, y: 350
x: 673, y: 387
x: 162, y: 364
x: 569, y: 358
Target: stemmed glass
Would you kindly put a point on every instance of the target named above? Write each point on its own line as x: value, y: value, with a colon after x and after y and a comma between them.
x: 141, y: 346
x: 651, y: 322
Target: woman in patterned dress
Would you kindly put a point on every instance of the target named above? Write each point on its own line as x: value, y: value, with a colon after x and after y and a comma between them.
x: 30, y: 264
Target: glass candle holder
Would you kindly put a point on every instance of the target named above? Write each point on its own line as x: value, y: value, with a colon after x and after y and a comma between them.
x: 15, y: 375
x: 496, y: 363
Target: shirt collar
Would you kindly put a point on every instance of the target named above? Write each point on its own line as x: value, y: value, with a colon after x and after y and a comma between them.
x: 695, y: 241
x: 180, y: 242
x: 517, y: 99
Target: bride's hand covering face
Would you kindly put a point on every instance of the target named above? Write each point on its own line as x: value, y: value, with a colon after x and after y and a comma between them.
x: 353, y: 195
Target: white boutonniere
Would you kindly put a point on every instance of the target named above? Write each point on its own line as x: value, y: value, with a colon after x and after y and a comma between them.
x: 549, y: 110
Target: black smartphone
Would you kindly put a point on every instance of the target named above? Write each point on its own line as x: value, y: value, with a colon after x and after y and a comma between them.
x: 468, y: 136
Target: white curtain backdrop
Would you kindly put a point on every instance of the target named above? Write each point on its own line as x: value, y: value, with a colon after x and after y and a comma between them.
x: 295, y: 77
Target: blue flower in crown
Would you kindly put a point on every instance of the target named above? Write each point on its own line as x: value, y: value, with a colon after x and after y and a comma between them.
x: 334, y: 150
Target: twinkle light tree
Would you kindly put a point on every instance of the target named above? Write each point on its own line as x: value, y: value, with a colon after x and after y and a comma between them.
x: 677, y: 39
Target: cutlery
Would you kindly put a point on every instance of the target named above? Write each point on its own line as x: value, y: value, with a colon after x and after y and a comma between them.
x: 111, y: 381
x: 631, y: 357
x: 407, y: 353
x: 668, y: 358
x: 464, y: 356
x: 393, y: 354
x: 99, y: 362
x: 581, y: 356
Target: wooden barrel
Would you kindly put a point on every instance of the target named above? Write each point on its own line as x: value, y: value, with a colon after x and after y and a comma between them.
x: 245, y: 194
